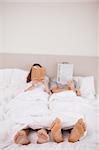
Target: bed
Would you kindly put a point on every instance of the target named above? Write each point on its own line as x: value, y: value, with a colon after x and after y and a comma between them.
x: 10, y: 89
x: 90, y: 142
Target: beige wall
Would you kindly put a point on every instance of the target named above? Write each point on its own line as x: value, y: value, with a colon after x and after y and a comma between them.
x: 98, y: 46
x: 98, y: 28
x: 83, y: 65
x: 48, y: 1
x: 98, y: 76
x: 1, y: 27
x: 50, y: 28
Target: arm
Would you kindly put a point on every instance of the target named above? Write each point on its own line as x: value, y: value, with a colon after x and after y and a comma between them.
x: 29, y: 89
x: 45, y: 82
x: 57, y: 90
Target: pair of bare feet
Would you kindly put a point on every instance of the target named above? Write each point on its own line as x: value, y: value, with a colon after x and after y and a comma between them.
x: 76, y: 133
x: 22, y: 137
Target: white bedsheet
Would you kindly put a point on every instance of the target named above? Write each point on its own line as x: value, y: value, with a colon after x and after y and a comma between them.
x: 90, y: 142
x: 90, y: 114
x: 30, y: 109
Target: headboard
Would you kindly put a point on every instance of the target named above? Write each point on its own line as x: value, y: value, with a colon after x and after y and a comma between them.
x: 83, y: 65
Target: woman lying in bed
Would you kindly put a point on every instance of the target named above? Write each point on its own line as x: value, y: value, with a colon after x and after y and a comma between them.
x: 38, y: 82
x: 37, y: 78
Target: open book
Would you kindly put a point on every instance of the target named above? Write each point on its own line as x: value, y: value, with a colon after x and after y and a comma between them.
x: 38, y: 73
x: 64, y: 72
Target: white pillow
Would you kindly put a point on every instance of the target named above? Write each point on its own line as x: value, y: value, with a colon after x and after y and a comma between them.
x: 5, y: 77
x: 18, y: 77
x: 86, y: 85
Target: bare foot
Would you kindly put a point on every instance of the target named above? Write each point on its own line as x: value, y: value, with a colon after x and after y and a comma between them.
x: 71, y: 85
x: 43, y: 137
x: 78, y: 131
x: 56, y: 130
x: 22, y: 138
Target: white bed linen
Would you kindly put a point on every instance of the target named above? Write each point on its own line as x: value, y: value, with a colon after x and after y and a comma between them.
x: 90, y: 142
x: 87, y: 144
x: 69, y: 107
x: 30, y: 109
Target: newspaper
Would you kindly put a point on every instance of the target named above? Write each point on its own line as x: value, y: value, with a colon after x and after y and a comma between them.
x: 64, y: 72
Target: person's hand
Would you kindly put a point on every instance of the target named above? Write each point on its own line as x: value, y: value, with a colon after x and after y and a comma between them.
x: 70, y: 85
x: 78, y: 93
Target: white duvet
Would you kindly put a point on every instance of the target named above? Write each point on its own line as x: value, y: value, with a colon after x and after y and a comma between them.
x: 64, y: 102
x: 35, y: 109
x: 27, y: 109
x: 69, y: 107
x: 27, y: 104
x: 41, y: 111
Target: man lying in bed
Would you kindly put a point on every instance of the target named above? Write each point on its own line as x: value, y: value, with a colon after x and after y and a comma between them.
x: 56, y: 87
x: 79, y: 128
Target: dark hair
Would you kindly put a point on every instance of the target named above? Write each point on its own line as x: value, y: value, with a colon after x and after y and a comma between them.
x: 29, y: 75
